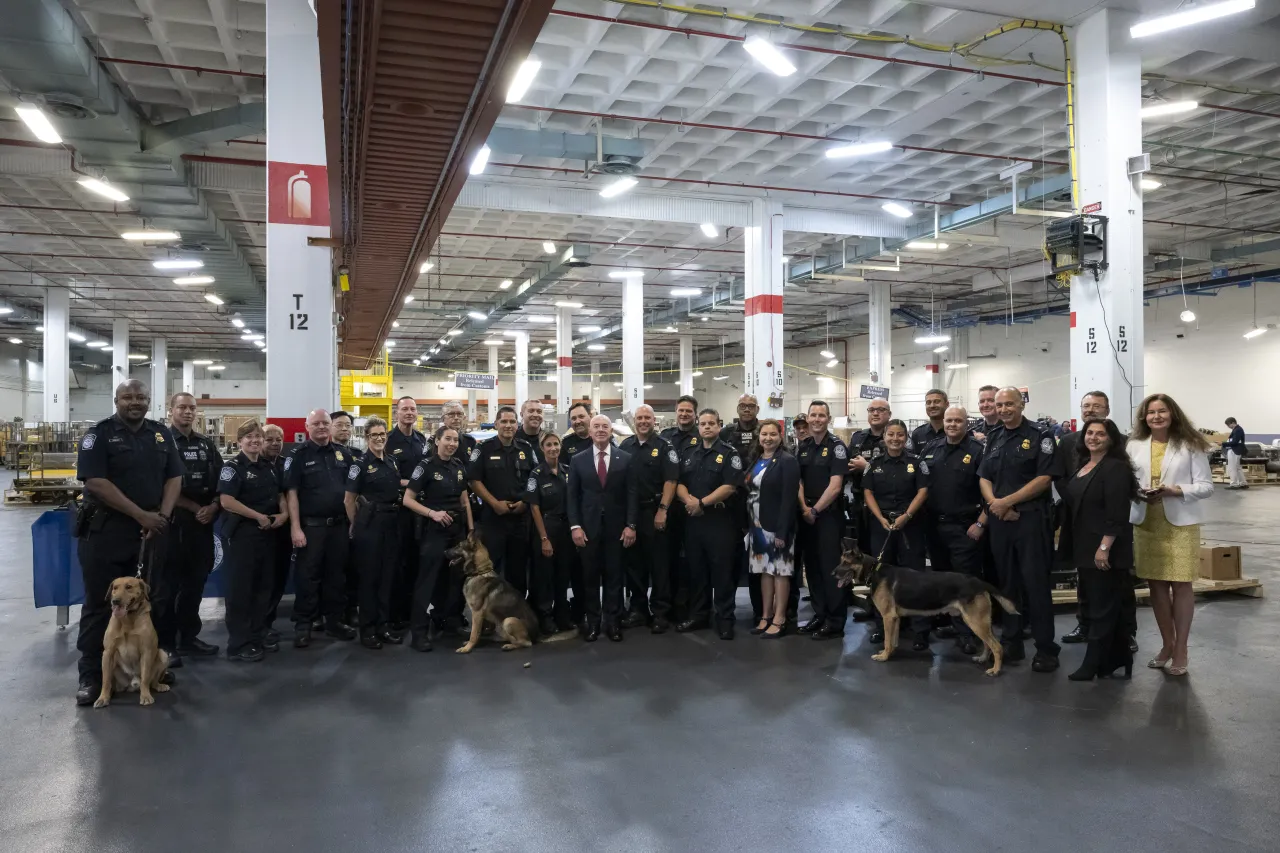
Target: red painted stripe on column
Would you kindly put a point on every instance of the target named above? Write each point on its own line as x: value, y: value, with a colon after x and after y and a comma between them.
x: 764, y: 304
x: 1073, y: 319
x: 566, y: 361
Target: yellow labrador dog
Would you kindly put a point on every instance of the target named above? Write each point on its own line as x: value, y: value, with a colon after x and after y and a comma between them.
x: 131, y: 655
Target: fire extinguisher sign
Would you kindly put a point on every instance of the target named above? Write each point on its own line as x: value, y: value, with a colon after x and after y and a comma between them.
x: 297, y: 194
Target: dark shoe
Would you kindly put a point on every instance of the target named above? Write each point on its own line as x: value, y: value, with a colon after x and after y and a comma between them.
x: 89, y: 689
x: 726, y: 631
x: 197, y: 648
x: 175, y: 659
x: 862, y: 616
x: 269, y: 644
x: 271, y: 635
x: 401, y: 627
x: 614, y: 633
x: 340, y: 631
x: 660, y: 626
x: 1128, y: 670
x: 302, y: 636
x: 248, y: 653
x: 563, y: 623
x: 420, y: 643
x: 945, y: 632
x: 812, y: 625
x: 921, y: 644
x: 692, y: 625
x: 167, y: 677
x: 351, y: 616
x: 448, y: 626
x: 1014, y: 652
x: 877, y: 638
x: 968, y: 646
x: 317, y: 624
x: 826, y: 633
x: 371, y: 641
x: 781, y: 632
x: 1085, y: 673
x: 389, y: 637
x: 546, y: 626
x: 1044, y: 663
x: 1133, y: 646
x: 1076, y: 635
x: 760, y: 628
x: 592, y: 633
x: 635, y: 619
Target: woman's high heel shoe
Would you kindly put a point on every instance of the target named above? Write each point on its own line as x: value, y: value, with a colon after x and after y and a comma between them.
x: 782, y: 632
x: 1156, y: 663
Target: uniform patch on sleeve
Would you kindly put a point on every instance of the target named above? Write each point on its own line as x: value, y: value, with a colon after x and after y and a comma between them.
x: 672, y: 456
x: 1046, y: 445
x: 924, y: 467
x: 532, y: 485
x: 735, y: 462
x: 475, y: 453
x: 90, y: 438
x: 353, y: 472
x: 840, y: 452
x: 417, y: 473
x: 227, y: 474
x: 288, y: 462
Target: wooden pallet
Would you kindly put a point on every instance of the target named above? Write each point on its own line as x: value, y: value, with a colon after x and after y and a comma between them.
x: 1251, y: 587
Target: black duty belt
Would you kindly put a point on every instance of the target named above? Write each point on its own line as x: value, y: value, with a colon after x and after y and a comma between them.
x: 956, y: 518
x: 654, y: 501
x: 557, y: 516
x: 333, y: 521
x: 389, y: 506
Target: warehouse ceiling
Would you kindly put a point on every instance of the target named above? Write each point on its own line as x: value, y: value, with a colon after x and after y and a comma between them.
x: 708, y: 121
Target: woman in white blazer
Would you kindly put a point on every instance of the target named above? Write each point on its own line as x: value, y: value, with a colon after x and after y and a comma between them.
x: 1172, y: 462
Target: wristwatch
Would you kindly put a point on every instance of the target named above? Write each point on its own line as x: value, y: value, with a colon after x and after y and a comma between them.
x: 1102, y: 547
x: 981, y: 526
x: 664, y: 507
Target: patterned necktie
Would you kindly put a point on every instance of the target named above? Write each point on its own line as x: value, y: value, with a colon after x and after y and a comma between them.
x: 601, y: 471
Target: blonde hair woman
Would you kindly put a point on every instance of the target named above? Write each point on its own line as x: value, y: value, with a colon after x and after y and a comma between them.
x: 1172, y: 462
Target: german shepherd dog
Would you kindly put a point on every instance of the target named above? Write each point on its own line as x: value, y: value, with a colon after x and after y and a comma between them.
x: 494, y: 601
x: 899, y: 591
x: 131, y: 655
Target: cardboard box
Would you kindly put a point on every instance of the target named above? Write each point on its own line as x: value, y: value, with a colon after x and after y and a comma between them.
x: 1221, y: 563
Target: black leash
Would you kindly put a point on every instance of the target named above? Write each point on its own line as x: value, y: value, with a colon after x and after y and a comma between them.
x: 142, y: 559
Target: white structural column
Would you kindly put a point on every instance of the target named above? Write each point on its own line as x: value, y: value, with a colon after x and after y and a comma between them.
x: 471, y: 392
x: 632, y: 339
x: 880, y: 335
x: 521, y: 340
x: 57, y: 356
x: 119, y: 350
x: 159, y: 378
x: 188, y: 377
x: 763, y: 344
x: 301, y: 347
x: 1106, y: 315
x: 596, y: 390
x: 564, y: 360
x: 493, y: 392
x: 686, y: 365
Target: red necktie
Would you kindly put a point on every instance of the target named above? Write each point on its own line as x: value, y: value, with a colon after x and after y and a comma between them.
x: 601, y: 471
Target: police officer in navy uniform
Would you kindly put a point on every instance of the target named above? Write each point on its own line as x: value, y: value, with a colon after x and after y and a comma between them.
x: 132, y: 476
x: 710, y: 474
x: 744, y: 433
x: 315, y: 479
x: 531, y: 426
x: 437, y: 494
x: 554, y: 553
x: 865, y: 446
x: 957, y: 516
x: 273, y: 452
x: 454, y: 415
x: 254, y: 508
x: 176, y: 607
x: 823, y: 462
x: 406, y: 446
x: 578, y: 437
x: 656, y: 468
x: 683, y: 437
x: 499, y: 475
x: 1020, y: 464
x: 895, y: 488
x: 935, y: 404
x: 341, y: 428
x: 372, y: 503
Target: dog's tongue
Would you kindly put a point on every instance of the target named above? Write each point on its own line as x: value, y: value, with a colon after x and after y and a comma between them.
x: 117, y: 610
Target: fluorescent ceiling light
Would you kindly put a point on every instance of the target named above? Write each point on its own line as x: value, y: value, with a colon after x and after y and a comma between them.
x: 704, y: 319
x: 194, y: 279
x: 427, y: 266
x: 478, y: 315
x: 710, y: 230
x: 618, y: 187
x: 942, y: 348
x: 453, y: 333
x: 549, y: 247
x: 505, y: 284
x: 940, y: 338
x: 586, y: 330
x: 1148, y: 184
x: 721, y: 377
x: 395, y: 324
x: 97, y: 344
x: 957, y: 365
x: 152, y: 236
x: 6, y: 310
x: 858, y: 150
x: 434, y: 350
x: 523, y: 80
x: 494, y: 343
x: 548, y: 361
x: 769, y: 56
x: 696, y: 373
x: 237, y: 322
x: 627, y: 274
x: 212, y: 297
x: 1168, y: 108
x: 103, y: 189
x: 1189, y: 17
x: 1187, y: 316
x: 566, y: 304
x: 202, y: 362
x: 38, y: 123
x: 178, y: 264
x: 1253, y: 333
x: 408, y: 299
x: 137, y: 356
x: 539, y: 318
x: 929, y: 245
x: 217, y: 367
x: 39, y: 328
x: 833, y: 362
x: 895, y: 209
x: 669, y: 329
x: 685, y: 291
x: 389, y: 344
x: 648, y: 387
x: 537, y: 351
x: 479, y: 161
x: 596, y: 347
x: 251, y: 337
x: 826, y: 353
x: 417, y: 362
x: 15, y: 340
x: 76, y: 336
x: 511, y: 333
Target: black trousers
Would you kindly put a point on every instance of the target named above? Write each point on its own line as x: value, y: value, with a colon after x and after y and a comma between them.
x: 249, y: 572
x: 105, y: 554
x: 375, y: 545
x: 648, y: 564
x: 433, y: 541
x: 820, y: 543
x: 677, y: 563
x: 951, y: 550
x: 1112, y: 614
x: 602, y: 577
x: 1023, y: 554
x: 280, y: 567
x: 178, y: 587
x: 507, y: 539
x: 552, y: 576
x: 406, y: 574
x: 320, y: 578
x: 711, y: 544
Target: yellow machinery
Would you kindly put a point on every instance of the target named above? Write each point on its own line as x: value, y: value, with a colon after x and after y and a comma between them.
x: 368, y: 392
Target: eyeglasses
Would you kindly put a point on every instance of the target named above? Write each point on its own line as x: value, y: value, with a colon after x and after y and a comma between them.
x: 877, y: 409
x: 373, y: 436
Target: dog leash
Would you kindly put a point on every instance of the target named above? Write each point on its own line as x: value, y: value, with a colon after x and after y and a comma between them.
x: 142, y: 558
x: 884, y: 547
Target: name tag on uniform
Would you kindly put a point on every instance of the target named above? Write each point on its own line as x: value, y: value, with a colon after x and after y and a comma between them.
x: 495, y: 458
x: 878, y: 471
x: 397, y: 451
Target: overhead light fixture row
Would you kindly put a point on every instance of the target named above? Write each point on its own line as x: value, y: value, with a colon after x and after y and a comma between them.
x: 151, y: 236
x: 894, y: 209
x: 858, y: 150
x: 769, y: 56
x: 1168, y: 108
x: 178, y: 264
x: 1189, y: 17
x: 194, y: 279
x: 479, y: 161
x: 523, y: 80
x: 103, y: 189
x: 38, y: 123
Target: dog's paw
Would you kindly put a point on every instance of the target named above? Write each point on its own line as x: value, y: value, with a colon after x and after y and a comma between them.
x: 161, y: 688
x: 146, y: 699
x: 880, y: 656
x: 465, y: 650
x: 102, y: 702
x: 993, y: 671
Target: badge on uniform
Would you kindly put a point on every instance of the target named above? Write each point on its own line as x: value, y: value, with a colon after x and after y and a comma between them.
x: 824, y: 451
x: 1046, y: 445
x: 475, y: 453
x: 337, y: 454
x: 439, y: 476
x: 521, y: 455
x: 911, y: 469
x: 840, y: 451
x: 417, y: 473
x: 1026, y: 444
x: 372, y: 469
x: 719, y: 459
x: 459, y: 476
x: 227, y: 473
x: 89, y: 440
x: 159, y: 438
x: 924, y: 467
x: 655, y: 452
x: 968, y: 457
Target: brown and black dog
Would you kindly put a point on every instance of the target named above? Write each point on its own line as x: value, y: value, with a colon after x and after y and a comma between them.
x: 131, y: 655
x: 898, y: 591
x: 494, y: 601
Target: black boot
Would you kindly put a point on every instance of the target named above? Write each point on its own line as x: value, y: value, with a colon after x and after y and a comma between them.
x: 1088, y: 670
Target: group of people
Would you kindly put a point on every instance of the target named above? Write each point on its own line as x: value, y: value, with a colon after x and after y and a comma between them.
x: 655, y: 531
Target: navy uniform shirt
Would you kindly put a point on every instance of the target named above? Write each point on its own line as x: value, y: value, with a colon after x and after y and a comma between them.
x: 870, y: 447
x: 376, y: 480
x: 988, y: 430
x: 547, y: 489
x: 319, y: 474
x: 819, y: 462
x: 534, y: 442
x: 439, y: 483
x: 953, y: 478
x: 504, y: 469
x: 894, y: 480
x: 1017, y: 456
x: 467, y: 445
x: 922, y: 436
x: 571, y: 443
x: 138, y: 463
x: 406, y: 450
x: 254, y: 484
x: 683, y: 440
x: 202, y: 463
x: 654, y: 463
x: 705, y: 469
x: 742, y: 438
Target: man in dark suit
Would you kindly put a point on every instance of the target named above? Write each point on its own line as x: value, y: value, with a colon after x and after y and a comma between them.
x: 603, y: 511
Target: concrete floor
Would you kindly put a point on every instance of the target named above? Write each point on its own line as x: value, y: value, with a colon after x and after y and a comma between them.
x: 672, y: 743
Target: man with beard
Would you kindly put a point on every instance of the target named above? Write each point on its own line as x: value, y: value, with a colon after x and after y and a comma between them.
x: 577, y: 438
x: 935, y: 403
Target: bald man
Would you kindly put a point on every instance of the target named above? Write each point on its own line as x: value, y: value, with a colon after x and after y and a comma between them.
x: 315, y: 480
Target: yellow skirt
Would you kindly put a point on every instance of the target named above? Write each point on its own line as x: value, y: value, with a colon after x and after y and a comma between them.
x: 1164, y: 552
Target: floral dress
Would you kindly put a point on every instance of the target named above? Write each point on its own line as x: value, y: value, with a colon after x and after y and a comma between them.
x: 763, y: 556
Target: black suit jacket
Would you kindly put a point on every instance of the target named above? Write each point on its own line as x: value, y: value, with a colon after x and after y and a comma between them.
x: 779, y: 491
x: 1100, y: 509
x: 602, y: 511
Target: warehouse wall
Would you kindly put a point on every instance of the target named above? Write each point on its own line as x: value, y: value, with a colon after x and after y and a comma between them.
x: 92, y: 394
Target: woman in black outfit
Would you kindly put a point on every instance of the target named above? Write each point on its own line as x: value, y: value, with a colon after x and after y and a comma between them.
x: 372, y: 502
x: 553, y: 557
x: 1098, y: 539
x: 773, y: 483
x: 437, y: 491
